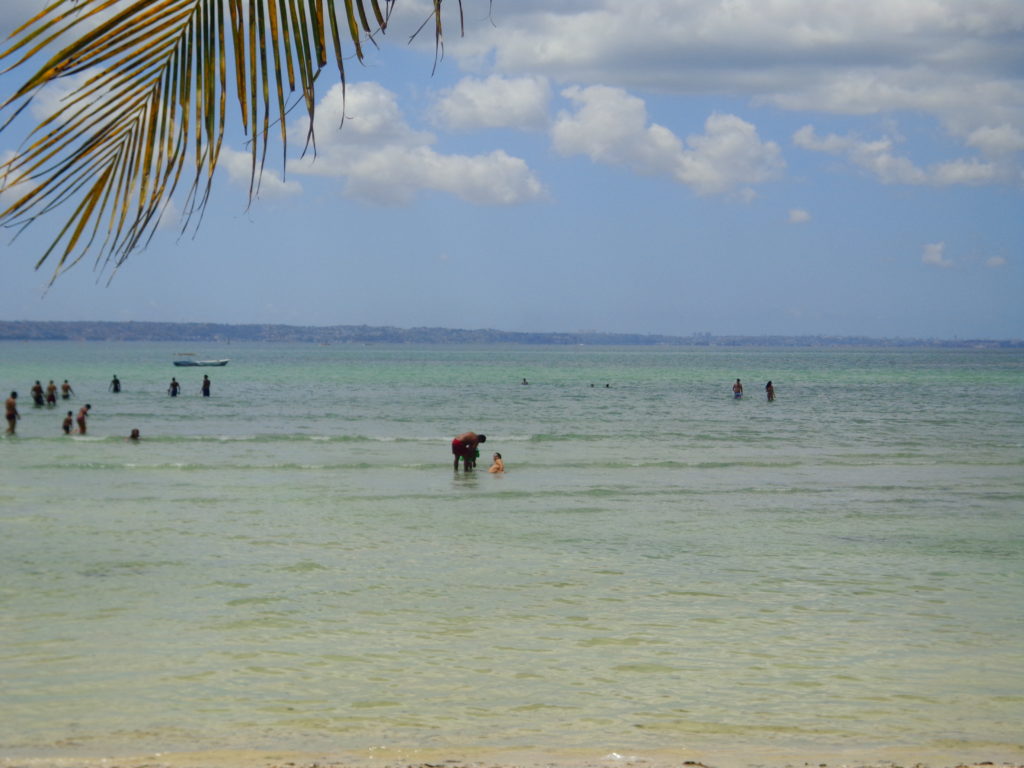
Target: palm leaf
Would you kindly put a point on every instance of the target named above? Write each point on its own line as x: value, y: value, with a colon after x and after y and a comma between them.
x: 155, y: 91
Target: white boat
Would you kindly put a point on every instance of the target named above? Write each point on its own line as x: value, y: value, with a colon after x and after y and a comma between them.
x: 193, y: 363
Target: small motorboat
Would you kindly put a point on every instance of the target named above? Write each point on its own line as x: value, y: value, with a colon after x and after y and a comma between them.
x: 194, y: 363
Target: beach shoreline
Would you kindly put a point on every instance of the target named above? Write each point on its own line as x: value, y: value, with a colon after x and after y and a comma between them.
x: 416, y: 758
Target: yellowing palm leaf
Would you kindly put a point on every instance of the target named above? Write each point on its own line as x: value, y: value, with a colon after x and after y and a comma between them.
x: 154, y: 93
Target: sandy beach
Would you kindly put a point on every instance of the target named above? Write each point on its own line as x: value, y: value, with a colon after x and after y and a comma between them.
x: 392, y: 758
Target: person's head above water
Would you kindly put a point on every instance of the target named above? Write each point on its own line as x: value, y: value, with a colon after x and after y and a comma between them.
x: 481, y: 438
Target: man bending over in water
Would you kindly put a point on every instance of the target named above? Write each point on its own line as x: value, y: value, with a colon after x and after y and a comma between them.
x: 464, y: 447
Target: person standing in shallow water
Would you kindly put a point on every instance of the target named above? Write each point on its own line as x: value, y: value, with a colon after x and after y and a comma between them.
x: 68, y: 421
x: 82, y: 415
x: 464, y: 447
x: 174, y: 387
x: 206, y: 386
x: 737, y: 389
x: 11, y: 406
x: 66, y: 391
x: 115, y: 385
x: 769, y: 390
x: 37, y: 394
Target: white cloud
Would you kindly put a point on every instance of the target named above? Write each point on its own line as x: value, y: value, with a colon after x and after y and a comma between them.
x: 955, y: 61
x: 495, y: 102
x: 170, y: 216
x: 385, y: 161
x: 997, y: 139
x: 58, y: 94
x: 799, y: 216
x: 14, y: 13
x: 970, y: 172
x: 995, y: 262
x: 729, y: 154
x: 933, y: 255
x: 239, y: 168
x: 610, y: 126
x: 10, y: 194
x: 879, y: 158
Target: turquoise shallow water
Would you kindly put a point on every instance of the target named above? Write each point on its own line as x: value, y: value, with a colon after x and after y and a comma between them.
x: 292, y: 563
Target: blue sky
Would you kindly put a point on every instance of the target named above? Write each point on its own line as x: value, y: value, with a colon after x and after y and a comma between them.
x: 672, y: 166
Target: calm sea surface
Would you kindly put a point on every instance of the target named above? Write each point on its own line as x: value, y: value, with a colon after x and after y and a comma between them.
x: 293, y: 564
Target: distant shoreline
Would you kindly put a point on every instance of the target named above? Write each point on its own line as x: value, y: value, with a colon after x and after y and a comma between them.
x: 30, y: 330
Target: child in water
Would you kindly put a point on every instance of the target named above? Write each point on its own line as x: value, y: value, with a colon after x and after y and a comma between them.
x: 498, y: 465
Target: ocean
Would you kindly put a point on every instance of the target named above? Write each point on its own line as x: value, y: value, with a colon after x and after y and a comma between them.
x: 663, y: 570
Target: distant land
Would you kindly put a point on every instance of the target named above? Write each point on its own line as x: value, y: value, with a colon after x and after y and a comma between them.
x: 28, y: 330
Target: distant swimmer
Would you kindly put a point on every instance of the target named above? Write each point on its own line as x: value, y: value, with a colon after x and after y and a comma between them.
x: 115, y: 385
x: 769, y: 390
x: 11, y: 407
x: 51, y: 394
x: 66, y: 391
x: 465, y: 447
x: 205, y: 389
x: 498, y: 465
x: 69, y: 420
x: 37, y: 394
x: 174, y: 388
x: 134, y: 436
x: 82, y: 414
x: 737, y: 390
x: 525, y: 381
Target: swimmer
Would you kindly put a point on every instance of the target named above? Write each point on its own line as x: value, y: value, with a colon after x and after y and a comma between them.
x: 737, y: 390
x: 498, y: 465
x: 68, y: 421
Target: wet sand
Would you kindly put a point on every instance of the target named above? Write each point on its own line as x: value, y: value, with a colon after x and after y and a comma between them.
x: 422, y: 759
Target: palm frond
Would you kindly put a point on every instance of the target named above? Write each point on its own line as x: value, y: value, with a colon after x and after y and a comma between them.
x: 154, y: 92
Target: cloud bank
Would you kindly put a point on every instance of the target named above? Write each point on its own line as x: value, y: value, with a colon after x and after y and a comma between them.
x: 610, y: 126
x: 384, y: 160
